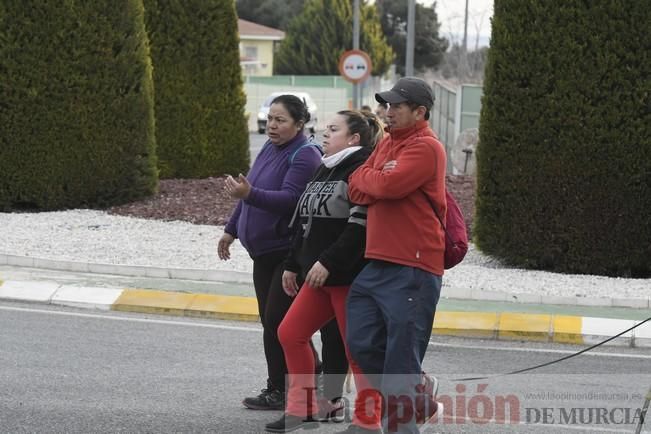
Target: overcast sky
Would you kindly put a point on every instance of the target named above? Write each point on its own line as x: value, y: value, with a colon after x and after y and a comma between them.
x: 450, y: 14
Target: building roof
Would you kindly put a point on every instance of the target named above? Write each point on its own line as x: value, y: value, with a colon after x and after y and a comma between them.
x: 250, y: 30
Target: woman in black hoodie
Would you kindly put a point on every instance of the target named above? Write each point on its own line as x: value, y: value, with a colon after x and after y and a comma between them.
x: 327, y: 254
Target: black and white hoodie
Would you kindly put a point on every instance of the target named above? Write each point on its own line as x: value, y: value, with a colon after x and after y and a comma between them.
x: 328, y: 227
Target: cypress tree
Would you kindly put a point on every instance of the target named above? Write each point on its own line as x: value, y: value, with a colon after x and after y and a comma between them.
x: 201, y: 129
x: 76, y: 104
x: 564, y: 160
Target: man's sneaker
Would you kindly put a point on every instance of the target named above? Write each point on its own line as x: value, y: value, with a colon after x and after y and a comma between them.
x: 269, y: 399
x: 435, y: 418
x: 429, y: 385
x: 289, y: 423
x: 354, y: 429
x: 426, y: 405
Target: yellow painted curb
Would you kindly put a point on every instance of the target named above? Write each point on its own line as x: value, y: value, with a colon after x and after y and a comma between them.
x: 224, y: 307
x: 184, y: 304
x: 520, y: 325
x: 561, y: 328
x: 150, y: 301
x: 472, y: 324
x: 567, y: 329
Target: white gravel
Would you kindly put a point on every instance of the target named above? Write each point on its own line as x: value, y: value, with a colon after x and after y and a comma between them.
x: 97, y: 237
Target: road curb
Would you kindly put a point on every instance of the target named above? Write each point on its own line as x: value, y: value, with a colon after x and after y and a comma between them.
x: 490, y: 325
x: 187, y: 304
x: 240, y: 277
x: 228, y: 276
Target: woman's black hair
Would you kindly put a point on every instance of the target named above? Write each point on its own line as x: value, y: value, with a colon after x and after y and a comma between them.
x: 366, y: 124
x: 296, y: 108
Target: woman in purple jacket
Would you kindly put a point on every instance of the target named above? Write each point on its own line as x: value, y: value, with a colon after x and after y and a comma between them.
x: 268, y: 196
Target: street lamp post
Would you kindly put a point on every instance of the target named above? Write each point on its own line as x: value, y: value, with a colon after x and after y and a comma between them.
x: 356, y: 47
x: 411, y: 26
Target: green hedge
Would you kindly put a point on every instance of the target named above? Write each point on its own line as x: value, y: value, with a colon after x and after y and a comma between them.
x: 76, y: 104
x: 564, y: 161
x: 201, y: 129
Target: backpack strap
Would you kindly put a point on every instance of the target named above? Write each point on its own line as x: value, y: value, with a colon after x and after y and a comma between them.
x: 310, y: 142
x: 436, y: 212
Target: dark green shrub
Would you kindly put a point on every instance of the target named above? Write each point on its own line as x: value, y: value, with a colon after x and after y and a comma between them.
x: 564, y: 161
x: 76, y: 104
x: 201, y: 130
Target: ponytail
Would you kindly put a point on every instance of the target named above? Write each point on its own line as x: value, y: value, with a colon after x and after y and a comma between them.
x: 366, y: 124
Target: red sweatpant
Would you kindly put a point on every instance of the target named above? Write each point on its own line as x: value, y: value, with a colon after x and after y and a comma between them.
x: 311, y: 310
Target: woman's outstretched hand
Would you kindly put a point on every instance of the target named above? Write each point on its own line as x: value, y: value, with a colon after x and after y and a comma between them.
x: 238, y: 188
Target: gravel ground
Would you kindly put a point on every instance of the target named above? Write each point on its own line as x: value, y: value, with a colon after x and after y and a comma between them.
x: 99, y: 237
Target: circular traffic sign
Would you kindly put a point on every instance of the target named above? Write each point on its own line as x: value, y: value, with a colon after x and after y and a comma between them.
x: 355, y: 65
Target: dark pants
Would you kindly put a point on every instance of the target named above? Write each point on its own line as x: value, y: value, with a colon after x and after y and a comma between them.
x: 390, y: 312
x: 273, y: 304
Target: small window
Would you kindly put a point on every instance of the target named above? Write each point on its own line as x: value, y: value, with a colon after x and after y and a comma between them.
x: 251, y: 53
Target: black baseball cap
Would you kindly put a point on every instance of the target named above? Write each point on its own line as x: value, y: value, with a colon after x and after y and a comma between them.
x: 409, y: 89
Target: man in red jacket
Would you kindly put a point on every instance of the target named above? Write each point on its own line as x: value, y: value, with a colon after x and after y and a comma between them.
x: 392, y: 302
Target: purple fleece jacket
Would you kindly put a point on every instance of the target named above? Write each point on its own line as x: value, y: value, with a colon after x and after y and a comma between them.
x: 261, y: 221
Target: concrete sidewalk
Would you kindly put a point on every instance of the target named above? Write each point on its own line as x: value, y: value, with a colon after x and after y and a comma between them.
x: 219, y: 295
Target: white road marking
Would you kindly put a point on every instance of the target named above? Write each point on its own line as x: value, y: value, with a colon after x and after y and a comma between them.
x: 141, y: 320
x: 180, y: 322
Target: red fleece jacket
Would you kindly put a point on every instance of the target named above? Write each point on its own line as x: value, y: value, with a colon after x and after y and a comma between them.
x: 401, y: 226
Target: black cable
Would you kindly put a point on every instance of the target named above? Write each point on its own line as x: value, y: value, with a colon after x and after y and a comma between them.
x: 520, y: 371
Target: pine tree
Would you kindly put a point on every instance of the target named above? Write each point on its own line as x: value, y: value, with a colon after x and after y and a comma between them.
x: 271, y: 13
x: 429, y: 47
x: 318, y: 36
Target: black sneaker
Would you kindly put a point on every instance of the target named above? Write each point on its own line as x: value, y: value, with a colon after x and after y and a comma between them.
x: 269, y: 399
x: 354, y: 429
x: 289, y: 423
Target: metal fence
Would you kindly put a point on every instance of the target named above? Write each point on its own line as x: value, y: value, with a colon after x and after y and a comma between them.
x: 470, y: 107
x: 444, y: 113
x: 456, y: 108
x: 331, y: 93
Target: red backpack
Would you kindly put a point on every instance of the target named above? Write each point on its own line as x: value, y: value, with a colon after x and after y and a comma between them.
x: 456, y: 234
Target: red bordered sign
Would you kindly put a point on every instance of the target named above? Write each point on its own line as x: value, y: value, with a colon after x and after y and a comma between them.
x: 355, y: 66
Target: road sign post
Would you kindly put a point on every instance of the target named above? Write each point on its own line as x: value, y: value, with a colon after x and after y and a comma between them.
x: 355, y: 66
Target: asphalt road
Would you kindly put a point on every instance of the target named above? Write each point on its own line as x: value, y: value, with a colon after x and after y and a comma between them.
x: 80, y: 371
